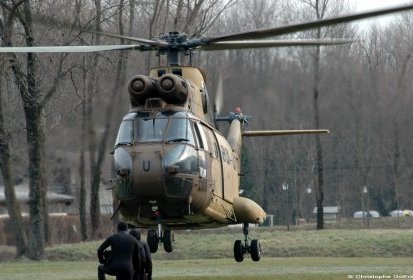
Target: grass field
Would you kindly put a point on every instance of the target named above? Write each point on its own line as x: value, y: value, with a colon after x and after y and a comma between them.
x: 206, y: 255
x: 212, y: 244
x: 228, y: 269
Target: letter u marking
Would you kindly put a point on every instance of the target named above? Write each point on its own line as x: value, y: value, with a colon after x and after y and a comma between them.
x: 146, y: 168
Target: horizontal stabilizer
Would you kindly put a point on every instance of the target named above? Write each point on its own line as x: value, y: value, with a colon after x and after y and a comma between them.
x: 282, y: 132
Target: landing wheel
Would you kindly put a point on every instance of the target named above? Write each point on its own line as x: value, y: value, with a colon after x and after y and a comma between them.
x: 152, y: 240
x: 255, y: 250
x: 239, y: 251
x: 168, y: 238
x: 242, y: 247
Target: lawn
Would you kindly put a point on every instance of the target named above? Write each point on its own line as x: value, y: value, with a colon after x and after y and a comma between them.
x: 206, y: 255
x: 218, y: 244
x: 208, y: 269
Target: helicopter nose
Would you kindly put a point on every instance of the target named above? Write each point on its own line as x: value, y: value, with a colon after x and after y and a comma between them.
x: 148, y: 174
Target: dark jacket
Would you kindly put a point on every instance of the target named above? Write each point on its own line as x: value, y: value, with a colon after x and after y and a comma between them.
x: 148, y: 261
x: 125, y: 249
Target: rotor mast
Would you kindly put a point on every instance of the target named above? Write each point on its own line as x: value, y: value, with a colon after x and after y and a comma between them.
x: 173, y: 57
x: 177, y: 44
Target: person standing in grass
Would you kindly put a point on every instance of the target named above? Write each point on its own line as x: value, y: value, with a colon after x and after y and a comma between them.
x: 124, y: 250
x: 145, y: 272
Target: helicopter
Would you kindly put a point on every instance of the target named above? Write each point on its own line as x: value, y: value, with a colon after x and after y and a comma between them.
x: 172, y: 168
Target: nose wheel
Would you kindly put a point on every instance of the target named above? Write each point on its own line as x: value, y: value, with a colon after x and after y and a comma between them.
x: 155, y: 238
x: 245, y: 247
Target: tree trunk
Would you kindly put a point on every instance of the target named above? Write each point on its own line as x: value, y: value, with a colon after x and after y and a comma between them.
x: 320, y: 9
x: 82, y: 160
x: 37, y: 185
x: 12, y: 204
x: 319, y: 164
x: 95, y: 215
x: 33, y: 111
x: 32, y: 105
x: 82, y: 163
x: 120, y: 74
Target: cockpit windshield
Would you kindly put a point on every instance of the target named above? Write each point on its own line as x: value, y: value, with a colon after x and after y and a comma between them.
x: 165, y: 126
x: 125, y: 134
x: 179, y: 130
x: 150, y: 129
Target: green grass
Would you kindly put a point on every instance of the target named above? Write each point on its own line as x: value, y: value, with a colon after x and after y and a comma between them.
x: 267, y: 268
x: 207, y: 254
x: 212, y: 244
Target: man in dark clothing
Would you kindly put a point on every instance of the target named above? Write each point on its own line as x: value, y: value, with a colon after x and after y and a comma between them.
x: 146, y: 265
x: 124, y: 251
x: 139, y: 268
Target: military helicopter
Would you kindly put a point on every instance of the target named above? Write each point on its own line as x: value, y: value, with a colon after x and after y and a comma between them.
x: 172, y: 168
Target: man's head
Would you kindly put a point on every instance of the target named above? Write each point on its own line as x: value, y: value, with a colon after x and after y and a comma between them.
x: 122, y: 226
x: 135, y: 233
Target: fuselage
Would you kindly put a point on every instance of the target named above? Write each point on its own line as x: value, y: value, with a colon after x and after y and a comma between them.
x: 171, y: 165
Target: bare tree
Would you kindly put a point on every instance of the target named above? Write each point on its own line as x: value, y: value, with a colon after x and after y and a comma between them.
x: 98, y: 155
x: 12, y: 204
x: 34, y: 101
x: 95, y: 215
x: 320, y: 9
x: 35, y: 137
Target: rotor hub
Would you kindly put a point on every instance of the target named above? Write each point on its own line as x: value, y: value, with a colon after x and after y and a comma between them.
x: 175, y: 38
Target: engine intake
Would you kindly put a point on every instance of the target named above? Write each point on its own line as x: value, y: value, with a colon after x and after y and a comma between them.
x: 172, y: 89
x: 141, y: 88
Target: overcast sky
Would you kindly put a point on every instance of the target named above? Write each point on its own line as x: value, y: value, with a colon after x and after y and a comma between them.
x: 365, y: 5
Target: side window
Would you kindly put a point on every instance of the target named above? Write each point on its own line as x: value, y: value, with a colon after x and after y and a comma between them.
x: 203, y: 143
x: 216, y: 150
x: 226, y: 155
x: 204, y: 131
x: 198, y: 134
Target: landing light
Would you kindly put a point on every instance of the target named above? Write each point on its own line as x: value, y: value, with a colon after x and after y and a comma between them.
x: 123, y: 172
x: 172, y: 170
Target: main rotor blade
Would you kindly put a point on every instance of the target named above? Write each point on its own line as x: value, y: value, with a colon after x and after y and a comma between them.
x: 227, y: 45
x: 134, y: 39
x: 282, y: 132
x: 291, y: 28
x: 67, y: 49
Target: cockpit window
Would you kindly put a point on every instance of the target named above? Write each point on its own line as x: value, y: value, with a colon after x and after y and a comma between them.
x: 171, y: 127
x: 180, y: 131
x: 125, y: 134
x: 150, y: 129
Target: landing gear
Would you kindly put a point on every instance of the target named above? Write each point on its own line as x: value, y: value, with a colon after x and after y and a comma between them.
x: 241, y: 248
x: 155, y: 238
x: 255, y: 250
x: 168, y: 238
x: 239, y: 251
